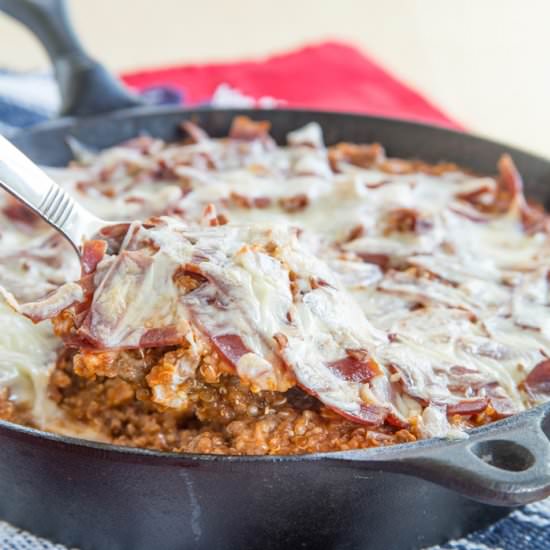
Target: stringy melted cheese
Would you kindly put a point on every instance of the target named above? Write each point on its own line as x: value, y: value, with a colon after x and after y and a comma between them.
x: 460, y: 306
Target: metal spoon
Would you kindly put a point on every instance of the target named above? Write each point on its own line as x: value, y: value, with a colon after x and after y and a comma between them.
x: 23, y: 179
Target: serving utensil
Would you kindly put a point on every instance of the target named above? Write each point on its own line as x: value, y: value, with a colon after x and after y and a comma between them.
x: 29, y: 184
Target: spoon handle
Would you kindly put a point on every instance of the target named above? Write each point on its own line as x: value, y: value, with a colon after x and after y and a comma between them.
x: 20, y: 177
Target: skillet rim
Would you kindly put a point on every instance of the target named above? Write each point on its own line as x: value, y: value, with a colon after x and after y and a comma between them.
x: 375, y: 453
x: 396, y: 451
x: 152, y: 110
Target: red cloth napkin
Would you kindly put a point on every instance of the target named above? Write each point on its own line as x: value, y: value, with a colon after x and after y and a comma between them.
x: 329, y: 76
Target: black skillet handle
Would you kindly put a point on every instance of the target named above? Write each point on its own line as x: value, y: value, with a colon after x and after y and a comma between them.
x: 86, y: 87
x: 506, y: 464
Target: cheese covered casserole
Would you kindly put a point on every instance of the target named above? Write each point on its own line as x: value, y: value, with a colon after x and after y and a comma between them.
x: 265, y: 299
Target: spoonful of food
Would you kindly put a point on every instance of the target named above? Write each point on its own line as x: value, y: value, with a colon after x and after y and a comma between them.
x: 172, y: 298
x: 23, y: 179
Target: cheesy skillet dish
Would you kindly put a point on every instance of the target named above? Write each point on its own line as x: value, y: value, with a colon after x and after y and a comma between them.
x: 266, y: 299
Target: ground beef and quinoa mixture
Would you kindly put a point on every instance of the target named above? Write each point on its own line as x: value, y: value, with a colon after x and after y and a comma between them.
x: 275, y: 300
x: 224, y: 417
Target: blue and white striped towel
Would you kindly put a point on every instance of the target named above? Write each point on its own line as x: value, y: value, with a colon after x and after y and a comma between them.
x: 32, y: 98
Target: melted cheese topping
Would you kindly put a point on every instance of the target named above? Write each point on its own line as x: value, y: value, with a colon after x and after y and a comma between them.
x: 449, y: 299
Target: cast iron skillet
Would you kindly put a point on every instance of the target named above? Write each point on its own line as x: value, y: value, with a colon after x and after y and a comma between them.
x: 404, y: 497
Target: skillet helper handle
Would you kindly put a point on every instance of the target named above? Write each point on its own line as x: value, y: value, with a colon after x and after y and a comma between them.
x: 501, y: 465
x: 86, y: 86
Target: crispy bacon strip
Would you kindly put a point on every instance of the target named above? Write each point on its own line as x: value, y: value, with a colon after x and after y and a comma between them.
x: 296, y: 203
x: 231, y: 347
x: 195, y: 132
x: 468, y: 407
x: 61, y: 299
x: 406, y: 220
x: 509, y: 179
x: 19, y: 213
x: 538, y: 380
x: 356, y: 367
x: 507, y: 195
x: 246, y: 129
x: 92, y: 253
x: 499, y: 401
x: 363, y: 155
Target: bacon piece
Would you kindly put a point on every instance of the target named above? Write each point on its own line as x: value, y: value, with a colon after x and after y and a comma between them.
x: 404, y: 166
x: 510, y: 193
x: 507, y: 195
x: 316, y: 282
x: 221, y: 219
x: 355, y: 232
x: 356, y: 367
x: 281, y: 339
x: 160, y: 337
x: 242, y: 201
x: 406, y: 220
x: 261, y: 202
x: 195, y: 132
x: 92, y: 253
x: 509, y: 179
x: 296, y: 203
x: 188, y: 277
x: 394, y: 420
x: 165, y: 170
x: 230, y: 346
x: 352, y: 370
x: 246, y: 129
x: 468, y: 407
x: 117, y: 300
x: 73, y: 340
x: 502, y: 405
x: 381, y: 260
x: 19, y: 213
x: 114, y: 235
x: 209, y: 214
x: 538, y: 380
x: 361, y: 155
x: 211, y: 217
x: 61, y: 299
x: 367, y: 413
x: 534, y: 218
